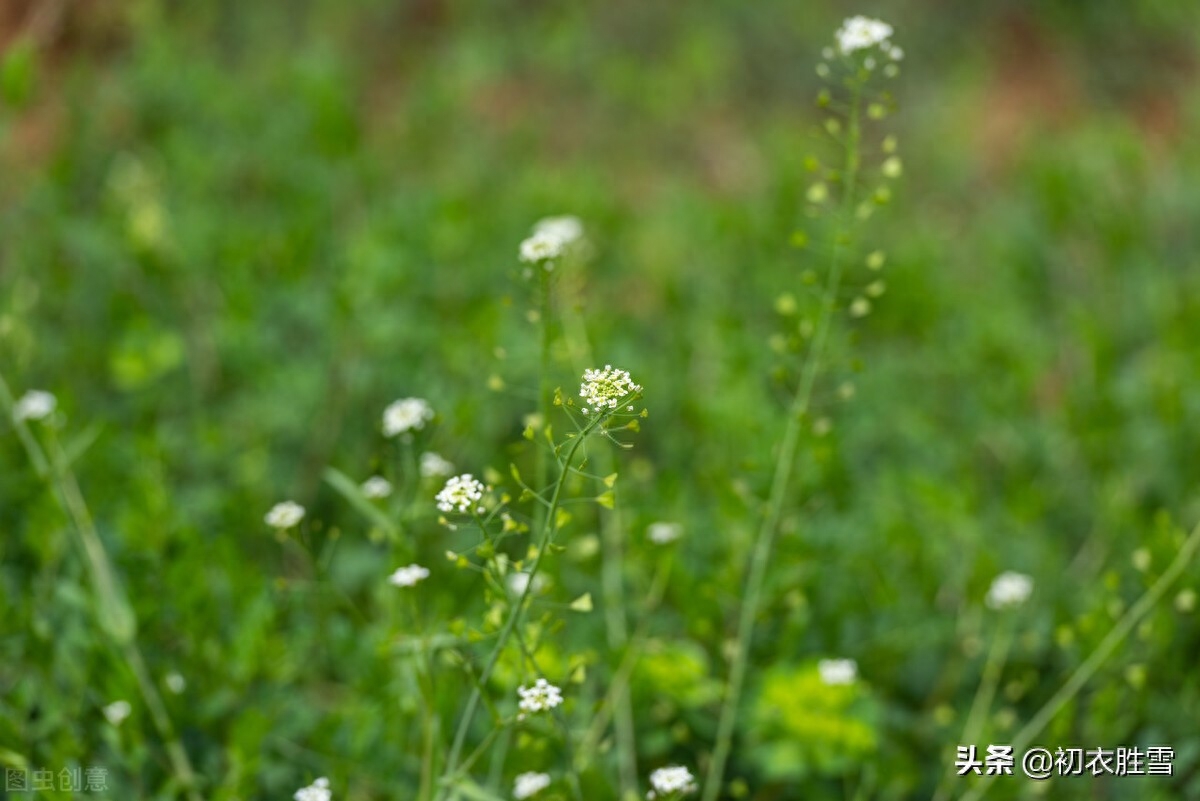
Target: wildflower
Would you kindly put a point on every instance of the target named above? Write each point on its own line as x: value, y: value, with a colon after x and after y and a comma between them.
x: 542, y: 247
x: 566, y: 228
x: 858, y: 33
x: 661, y: 533
x: 36, y: 404
x: 284, y: 515
x: 376, y: 487
x: 317, y: 791
x: 838, y: 671
x: 1009, y: 589
x: 667, y: 781
x: 117, y: 711
x: 517, y: 582
x: 528, y: 784
x: 460, y: 494
x: 406, y: 414
x: 409, y: 576
x: 432, y: 465
x: 605, y: 389
x: 175, y: 683
x: 541, y: 696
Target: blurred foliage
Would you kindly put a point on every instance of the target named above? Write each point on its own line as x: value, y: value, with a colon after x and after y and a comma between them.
x: 231, y: 233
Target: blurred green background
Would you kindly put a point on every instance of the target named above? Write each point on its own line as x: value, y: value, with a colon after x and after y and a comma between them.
x: 231, y: 233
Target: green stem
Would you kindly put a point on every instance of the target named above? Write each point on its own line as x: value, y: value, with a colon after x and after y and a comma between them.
x: 116, y: 616
x: 1088, y: 669
x: 764, y: 542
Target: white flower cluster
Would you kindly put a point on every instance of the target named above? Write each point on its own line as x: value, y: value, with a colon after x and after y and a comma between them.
x: 36, y: 404
x: 837, y: 671
x: 317, y: 791
x: 409, y: 576
x: 517, y: 582
x: 433, y: 465
x: 284, y: 515
x: 860, y: 33
x: 531, y: 783
x: 667, y: 781
x: 551, y: 238
x: 661, y: 533
x: 605, y: 389
x: 461, y: 494
x: 1009, y: 589
x: 376, y: 487
x: 541, y: 696
x: 406, y: 414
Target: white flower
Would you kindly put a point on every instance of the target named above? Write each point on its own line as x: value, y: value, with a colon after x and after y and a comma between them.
x: 541, y: 696
x: 528, y: 784
x: 838, y: 671
x: 117, y: 711
x: 376, y: 487
x: 317, y: 791
x: 175, y: 683
x: 567, y: 228
x: 675, y: 779
x: 408, y: 576
x: 861, y: 32
x: 432, y: 464
x: 284, y: 515
x: 661, y: 533
x: 517, y: 582
x: 1009, y: 589
x: 461, y: 494
x: 35, y: 404
x: 605, y: 389
x: 406, y: 414
x: 541, y: 247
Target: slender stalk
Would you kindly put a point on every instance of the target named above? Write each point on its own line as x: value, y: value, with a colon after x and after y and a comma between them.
x: 612, y: 538
x: 1088, y: 669
x: 116, y: 617
x: 764, y: 542
x: 992, y: 669
x: 548, y: 532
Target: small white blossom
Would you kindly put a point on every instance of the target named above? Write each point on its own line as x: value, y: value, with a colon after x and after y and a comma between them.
x: 1009, y: 589
x: 433, y: 465
x: 541, y: 696
x: 862, y: 32
x: 605, y: 389
x: 175, y: 683
x: 541, y: 247
x: 376, y: 487
x: 517, y: 582
x: 528, y: 784
x: 117, y: 711
x: 461, y: 494
x: 409, y: 576
x: 661, y: 533
x: 567, y: 228
x: 36, y: 404
x: 317, y: 791
x: 675, y: 779
x: 284, y: 515
x: 838, y: 671
x: 406, y: 414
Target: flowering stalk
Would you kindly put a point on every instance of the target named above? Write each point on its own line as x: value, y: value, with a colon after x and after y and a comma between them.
x: 516, y: 613
x: 853, y: 37
x: 117, y: 619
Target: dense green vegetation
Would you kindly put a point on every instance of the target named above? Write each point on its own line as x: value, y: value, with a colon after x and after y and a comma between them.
x: 232, y: 233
